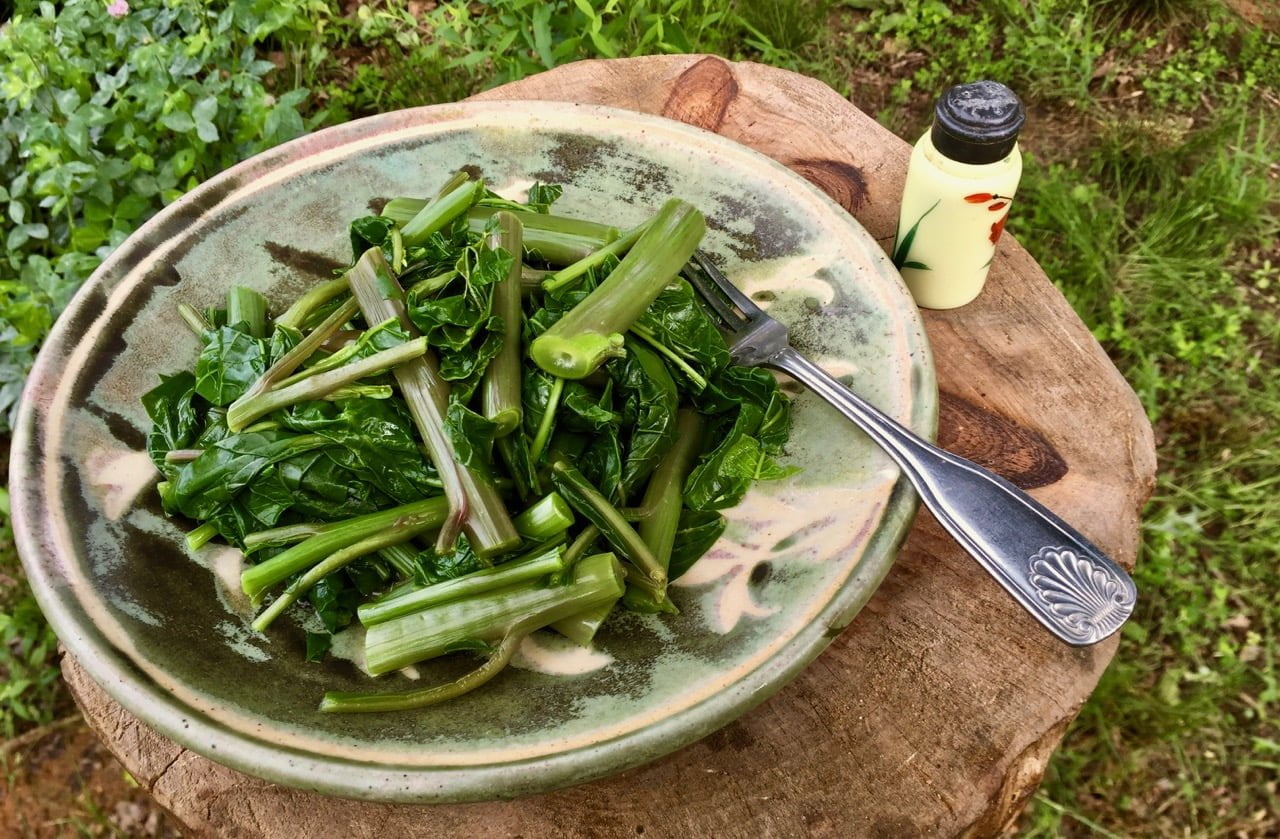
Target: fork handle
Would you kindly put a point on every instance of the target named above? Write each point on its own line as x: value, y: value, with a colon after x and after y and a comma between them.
x: 1066, y: 583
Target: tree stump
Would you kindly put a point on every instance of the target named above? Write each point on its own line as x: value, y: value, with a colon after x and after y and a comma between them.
x: 936, y: 710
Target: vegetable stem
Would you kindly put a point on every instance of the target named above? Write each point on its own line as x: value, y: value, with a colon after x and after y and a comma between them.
x: 500, y: 387
x: 199, y: 537
x: 402, y: 558
x: 544, y: 519
x: 397, y: 250
x: 360, y: 392
x: 592, y: 331
x: 402, y: 210
x: 473, y: 499
x: 556, y: 240
x: 196, y: 321
x: 618, y: 247
x: 578, y: 549
x: 543, y: 434
x: 540, y: 564
x: 440, y: 212
x: 316, y: 387
x: 326, y: 539
x: 489, y: 616
x: 287, y: 534
x: 296, y: 315
x: 695, y: 378
x: 663, y: 497
x: 455, y: 181
x: 244, y: 305
x: 588, y: 501
x: 300, y: 352
x: 336, y: 561
x: 337, y: 702
x: 343, y: 353
x: 582, y: 627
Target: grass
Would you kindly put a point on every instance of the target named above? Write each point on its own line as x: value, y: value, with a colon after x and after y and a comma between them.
x: 1151, y: 197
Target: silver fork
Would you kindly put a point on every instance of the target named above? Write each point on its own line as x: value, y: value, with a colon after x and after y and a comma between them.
x: 1065, y: 582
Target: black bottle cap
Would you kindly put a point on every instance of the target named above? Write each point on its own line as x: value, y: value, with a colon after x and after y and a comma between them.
x: 977, y: 122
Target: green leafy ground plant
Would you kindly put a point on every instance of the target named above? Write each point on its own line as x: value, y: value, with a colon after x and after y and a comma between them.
x: 104, y: 120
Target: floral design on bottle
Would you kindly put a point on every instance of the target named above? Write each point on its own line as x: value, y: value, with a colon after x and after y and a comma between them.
x: 995, y: 203
x: 902, y: 249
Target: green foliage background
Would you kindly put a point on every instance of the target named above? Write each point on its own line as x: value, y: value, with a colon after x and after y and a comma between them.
x: 1151, y: 197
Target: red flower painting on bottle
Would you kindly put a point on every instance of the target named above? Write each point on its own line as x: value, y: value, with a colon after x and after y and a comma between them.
x: 997, y: 228
x: 995, y: 203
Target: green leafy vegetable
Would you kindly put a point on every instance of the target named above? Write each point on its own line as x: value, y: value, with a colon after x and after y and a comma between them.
x: 174, y: 414
x: 649, y: 408
x: 365, y: 448
x: 230, y: 362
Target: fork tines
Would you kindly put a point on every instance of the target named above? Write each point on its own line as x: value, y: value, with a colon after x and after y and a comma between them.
x: 732, y: 306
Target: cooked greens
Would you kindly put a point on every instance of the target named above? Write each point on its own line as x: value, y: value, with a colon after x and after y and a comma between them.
x: 497, y: 420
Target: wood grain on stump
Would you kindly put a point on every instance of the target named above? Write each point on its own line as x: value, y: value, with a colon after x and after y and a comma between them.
x: 936, y: 711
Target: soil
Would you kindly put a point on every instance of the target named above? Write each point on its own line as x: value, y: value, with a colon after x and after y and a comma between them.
x: 59, y: 781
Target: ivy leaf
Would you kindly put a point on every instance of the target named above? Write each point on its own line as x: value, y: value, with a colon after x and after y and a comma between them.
x: 206, y: 131
x: 178, y: 121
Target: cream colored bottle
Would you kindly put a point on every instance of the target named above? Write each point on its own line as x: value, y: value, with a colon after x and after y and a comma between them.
x: 960, y: 182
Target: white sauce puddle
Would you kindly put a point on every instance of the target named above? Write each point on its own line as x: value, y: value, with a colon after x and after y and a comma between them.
x: 119, y: 477
x: 546, y: 652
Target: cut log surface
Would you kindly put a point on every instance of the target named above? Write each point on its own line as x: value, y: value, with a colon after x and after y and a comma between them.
x: 936, y: 710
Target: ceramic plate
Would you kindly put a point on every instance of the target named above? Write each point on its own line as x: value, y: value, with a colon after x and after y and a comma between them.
x: 164, y: 631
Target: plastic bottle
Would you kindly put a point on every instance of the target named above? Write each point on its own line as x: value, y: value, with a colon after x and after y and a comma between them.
x: 961, y: 179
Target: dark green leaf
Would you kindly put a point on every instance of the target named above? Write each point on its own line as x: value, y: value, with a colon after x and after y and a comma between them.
x: 697, y: 532
x: 318, y: 643
x: 601, y: 463
x: 471, y: 434
x: 229, y: 364
x: 535, y: 392
x: 367, y: 574
x: 174, y: 415
x: 723, y: 476
x: 334, y: 601
x: 514, y: 449
x: 542, y: 196
x: 374, y: 439
x: 462, y: 560
x: 678, y: 322
x: 649, y: 409
x: 370, y: 232
x: 584, y: 410
x: 267, y: 497
x: 283, y: 339
x: 223, y: 469
x: 470, y: 361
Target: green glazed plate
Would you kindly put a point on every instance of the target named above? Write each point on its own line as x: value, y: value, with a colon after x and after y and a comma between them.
x: 163, y: 629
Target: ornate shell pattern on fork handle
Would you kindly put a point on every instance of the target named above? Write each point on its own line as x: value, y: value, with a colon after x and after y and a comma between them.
x: 1091, y: 599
